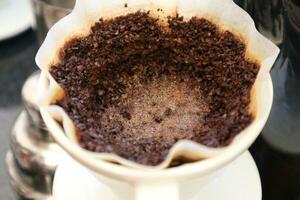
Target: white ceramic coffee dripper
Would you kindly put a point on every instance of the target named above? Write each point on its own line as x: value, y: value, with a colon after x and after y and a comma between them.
x: 130, y: 180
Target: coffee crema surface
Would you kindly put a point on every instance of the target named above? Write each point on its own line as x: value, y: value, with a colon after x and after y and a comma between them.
x: 134, y: 88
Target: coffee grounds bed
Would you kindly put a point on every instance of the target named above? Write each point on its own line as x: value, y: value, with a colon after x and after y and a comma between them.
x: 134, y: 87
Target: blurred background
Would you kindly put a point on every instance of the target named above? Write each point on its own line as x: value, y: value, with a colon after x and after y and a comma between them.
x: 29, y: 155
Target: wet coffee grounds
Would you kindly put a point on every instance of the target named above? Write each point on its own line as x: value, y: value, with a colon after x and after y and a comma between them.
x: 134, y: 88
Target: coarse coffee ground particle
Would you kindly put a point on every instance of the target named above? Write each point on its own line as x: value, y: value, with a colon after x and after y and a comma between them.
x: 134, y: 89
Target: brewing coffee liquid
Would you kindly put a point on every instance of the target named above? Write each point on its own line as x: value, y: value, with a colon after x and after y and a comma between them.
x: 277, y: 150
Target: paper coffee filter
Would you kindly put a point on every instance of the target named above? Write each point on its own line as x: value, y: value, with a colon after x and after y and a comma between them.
x: 225, y: 13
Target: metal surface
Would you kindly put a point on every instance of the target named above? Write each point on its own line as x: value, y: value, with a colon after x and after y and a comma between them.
x: 32, y: 154
x: 30, y: 102
x: 47, y: 13
x: 21, y: 188
x: 16, y: 64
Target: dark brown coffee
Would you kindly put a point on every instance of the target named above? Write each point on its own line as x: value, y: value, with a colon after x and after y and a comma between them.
x: 134, y: 88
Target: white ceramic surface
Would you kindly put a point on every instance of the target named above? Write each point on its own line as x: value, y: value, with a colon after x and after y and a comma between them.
x: 15, y: 18
x: 239, y: 180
